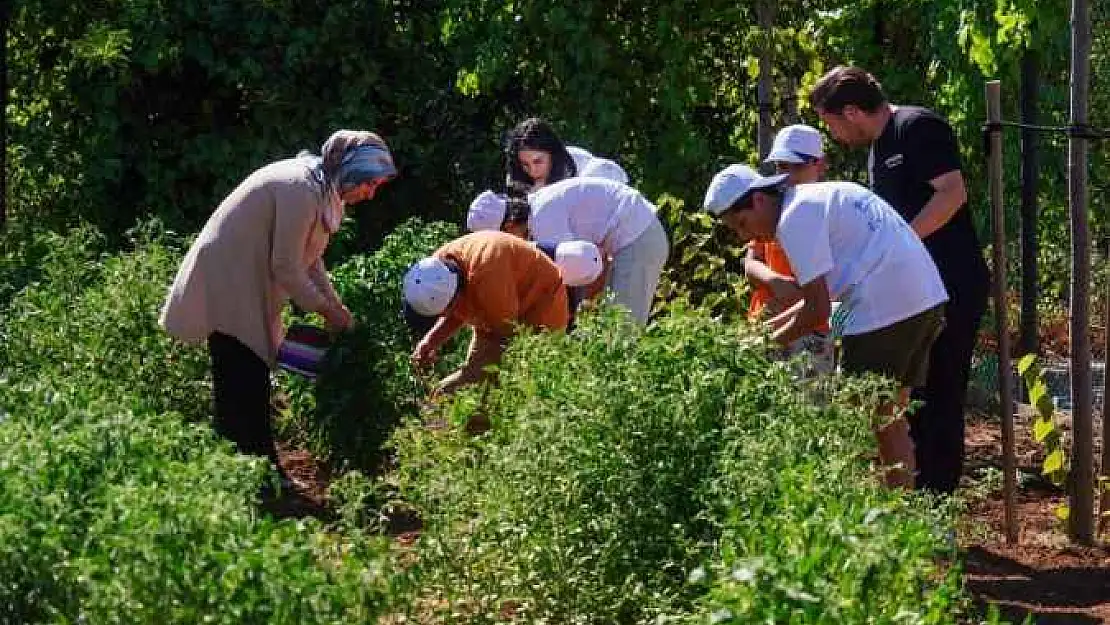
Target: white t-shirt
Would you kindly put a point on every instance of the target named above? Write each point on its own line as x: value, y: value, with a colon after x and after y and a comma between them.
x: 604, y: 212
x: 872, y: 260
x: 590, y: 166
x: 581, y: 157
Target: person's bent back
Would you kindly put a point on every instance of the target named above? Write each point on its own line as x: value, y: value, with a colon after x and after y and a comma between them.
x: 488, y: 280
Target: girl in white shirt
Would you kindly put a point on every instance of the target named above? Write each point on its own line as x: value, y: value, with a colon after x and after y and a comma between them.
x: 536, y: 156
x: 613, y: 216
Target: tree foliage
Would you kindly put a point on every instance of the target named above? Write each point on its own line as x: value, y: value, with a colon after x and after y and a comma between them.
x: 124, y: 108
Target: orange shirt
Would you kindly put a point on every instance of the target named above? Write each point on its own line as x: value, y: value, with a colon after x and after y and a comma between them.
x: 775, y: 258
x: 507, y: 280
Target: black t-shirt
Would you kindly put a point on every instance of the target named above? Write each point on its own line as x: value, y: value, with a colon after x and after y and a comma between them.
x: 916, y: 146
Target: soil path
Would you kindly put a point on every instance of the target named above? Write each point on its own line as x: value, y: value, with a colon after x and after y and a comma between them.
x: 1040, y: 575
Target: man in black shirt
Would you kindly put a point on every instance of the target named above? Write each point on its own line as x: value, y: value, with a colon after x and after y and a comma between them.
x: 914, y: 164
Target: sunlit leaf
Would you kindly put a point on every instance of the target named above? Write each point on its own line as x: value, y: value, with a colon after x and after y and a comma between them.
x: 1053, y: 462
x: 1062, y: 512
x: 1042, y: 428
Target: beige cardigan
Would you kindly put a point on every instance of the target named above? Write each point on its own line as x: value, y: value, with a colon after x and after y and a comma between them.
x: 262, y: 246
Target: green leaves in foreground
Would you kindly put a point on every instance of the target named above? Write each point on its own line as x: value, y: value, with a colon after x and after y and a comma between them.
x: 367, y: 385
x: 114, y: 509
x: 672, y: 473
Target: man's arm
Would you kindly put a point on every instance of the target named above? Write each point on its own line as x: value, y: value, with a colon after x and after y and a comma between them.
x: 805, y: 317
x: 755, y: 266
x: 950, y: 195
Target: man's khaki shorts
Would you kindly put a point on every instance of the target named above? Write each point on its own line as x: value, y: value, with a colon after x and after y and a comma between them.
x: 899, y: 351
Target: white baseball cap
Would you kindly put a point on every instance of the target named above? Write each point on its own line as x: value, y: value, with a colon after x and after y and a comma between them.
x: 796, y: 144
x: 429, y: 286
x: 487, y: 212
x: 579, y: 262
x: 599, y: 167
x: 733, y: 183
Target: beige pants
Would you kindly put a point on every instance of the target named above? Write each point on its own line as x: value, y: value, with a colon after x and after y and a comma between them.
x: 485, y: 350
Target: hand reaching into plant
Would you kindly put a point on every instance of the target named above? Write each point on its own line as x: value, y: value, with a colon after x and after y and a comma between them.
x: 425, y: 354
x: 338, y: 318
x: 784, y: 291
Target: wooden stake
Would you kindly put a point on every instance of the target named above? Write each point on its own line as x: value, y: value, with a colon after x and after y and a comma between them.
x: 1081, y: 482
x: 998, y: 289
x: 765, y: 10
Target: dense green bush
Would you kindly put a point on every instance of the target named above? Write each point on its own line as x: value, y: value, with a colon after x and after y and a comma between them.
x: 367, y: 385
x: 109, y: 516
x: 122, y: 108
x: 114, y: 509
x: 93, y: 319
x: 706, y: 266
x: 667, y: 475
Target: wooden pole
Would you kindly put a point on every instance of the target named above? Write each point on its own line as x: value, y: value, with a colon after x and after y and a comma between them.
x: 1104, y: 486
x: 1030, y: 174
x: 1081, y: 484
x: 766, y: 16
x: 998, y: 288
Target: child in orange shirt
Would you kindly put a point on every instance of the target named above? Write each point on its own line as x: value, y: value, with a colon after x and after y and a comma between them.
x: 489, y: 280
x: 797, y: 151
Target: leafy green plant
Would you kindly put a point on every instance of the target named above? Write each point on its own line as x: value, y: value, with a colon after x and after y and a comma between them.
x: 93, y: 318
x: 366, y: 385
x: 704, y: 269
x: 1045, y: 429
x: 113, y: 507
x: 668, y: 475
x: 112, y: 516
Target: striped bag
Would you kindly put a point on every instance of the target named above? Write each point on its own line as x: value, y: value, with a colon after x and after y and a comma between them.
x: 303, y: 350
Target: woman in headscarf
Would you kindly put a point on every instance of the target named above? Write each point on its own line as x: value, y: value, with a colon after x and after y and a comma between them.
x: 262, y: 246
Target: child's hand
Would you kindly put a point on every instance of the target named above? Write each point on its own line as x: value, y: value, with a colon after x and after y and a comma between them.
x: 424, y: 354
x: 785, y: 292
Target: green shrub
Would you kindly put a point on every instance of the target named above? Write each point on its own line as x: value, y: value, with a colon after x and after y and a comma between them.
x: 622, y: 464
x: 367, y: 385
x: 93, y: 319
x: 705, y: 268
x: 119, y: 517
x: 114, y: 509
x: 809, y: 535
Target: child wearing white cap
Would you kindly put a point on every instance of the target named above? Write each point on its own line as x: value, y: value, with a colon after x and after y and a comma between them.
x: 490, y: 281
x: 797, y: 151
x: 579, y: 262
x: 798, y: 145
x: 844, y: 241
x: 613, y: 216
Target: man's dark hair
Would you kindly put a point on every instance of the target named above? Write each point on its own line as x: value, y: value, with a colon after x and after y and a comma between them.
x: 744, y: 202
x: 847, y: 86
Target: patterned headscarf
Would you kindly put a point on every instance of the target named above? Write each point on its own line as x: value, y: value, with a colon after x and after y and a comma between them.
x: 340, y: 151
x: 361, y: 164
x: 348, y: 158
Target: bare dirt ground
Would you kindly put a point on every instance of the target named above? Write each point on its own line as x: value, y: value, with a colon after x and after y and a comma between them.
x: 1040, y: 575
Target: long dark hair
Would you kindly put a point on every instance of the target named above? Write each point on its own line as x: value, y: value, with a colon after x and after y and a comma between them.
x: 536, y: 134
